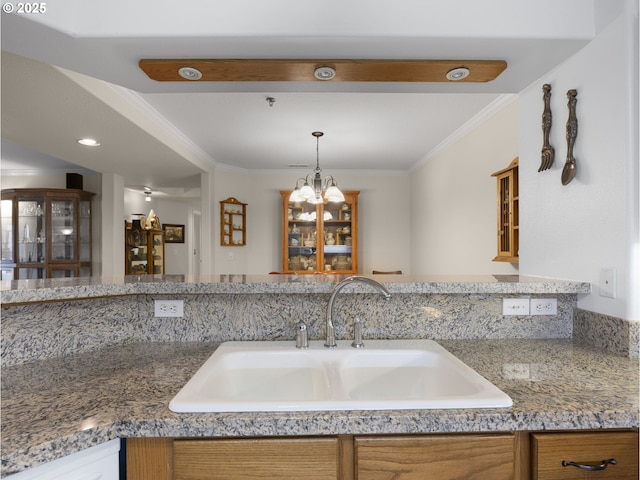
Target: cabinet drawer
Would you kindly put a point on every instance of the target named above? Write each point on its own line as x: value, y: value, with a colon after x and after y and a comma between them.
x: 549, y: 450
x: 442, y: 457
x: 245, y: 459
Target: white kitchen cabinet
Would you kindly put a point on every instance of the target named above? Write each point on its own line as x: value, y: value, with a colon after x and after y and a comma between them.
x: 96, y: 463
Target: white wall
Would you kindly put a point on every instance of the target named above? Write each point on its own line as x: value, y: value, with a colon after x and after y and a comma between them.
x: 576, y: 230
x: 383, y: 220
x: 453, y: 201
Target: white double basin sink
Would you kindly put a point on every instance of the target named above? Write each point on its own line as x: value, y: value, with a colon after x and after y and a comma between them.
x: 274, y: 376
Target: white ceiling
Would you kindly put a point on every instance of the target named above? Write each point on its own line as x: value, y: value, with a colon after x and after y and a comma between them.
x: 164, y: 134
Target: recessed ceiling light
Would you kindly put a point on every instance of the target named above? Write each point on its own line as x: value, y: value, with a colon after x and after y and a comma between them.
x: 458, y: 74
x: 88, y: 142
x: 190, y: 73
x: 324, y: 73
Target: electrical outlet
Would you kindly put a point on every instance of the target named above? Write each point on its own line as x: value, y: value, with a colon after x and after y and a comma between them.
x: 169, y: 308
x: 515, y: 306
x: 544, y: 306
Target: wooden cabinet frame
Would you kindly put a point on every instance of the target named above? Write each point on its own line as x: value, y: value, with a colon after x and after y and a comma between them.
x: 303, y: 252
x: 508, y: 213
x: 233, y: 223
x: 59, y: 241
x: 143, y: 251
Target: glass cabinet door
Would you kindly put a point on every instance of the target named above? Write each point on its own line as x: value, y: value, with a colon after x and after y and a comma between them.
x: 302, y: 237
x: 157, y: 252
x: 32, y: 231
x: 63, y: 230
x: 338, y: 236
x: 6, y: 214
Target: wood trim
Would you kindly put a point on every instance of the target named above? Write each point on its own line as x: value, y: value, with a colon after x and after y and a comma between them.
x: 301, y: 70
x: 522, y: 456
x: 149, y: 458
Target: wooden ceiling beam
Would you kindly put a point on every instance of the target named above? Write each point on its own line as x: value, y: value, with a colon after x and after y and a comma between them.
x: 280, y: 70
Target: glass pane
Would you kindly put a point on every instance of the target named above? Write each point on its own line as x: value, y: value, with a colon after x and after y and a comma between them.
x: 63, y: 230
x: 338, y: 236
x: 302, y: 237
x: 58, y: 273
x: 30, y: 273
x: 6, y: 211
x: 31, y: 232
x: 7, y: 273
x: 158, y: 261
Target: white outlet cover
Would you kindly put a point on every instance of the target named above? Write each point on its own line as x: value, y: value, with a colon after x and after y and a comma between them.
x: 515, y: 306
x: 544, y: 306
x: 608, y: 282
x: 168, y: 308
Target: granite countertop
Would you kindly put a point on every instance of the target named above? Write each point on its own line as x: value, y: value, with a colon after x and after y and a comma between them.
x: 25, y: 291
x: 60, y: 406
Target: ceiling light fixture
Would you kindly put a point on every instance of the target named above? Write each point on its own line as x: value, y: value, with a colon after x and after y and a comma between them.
x: 314, y: 194
x: 190, y: 73
x: 88, y: 142
x: 147, y: 196
x: 324, y: 73
x: 458, y: 74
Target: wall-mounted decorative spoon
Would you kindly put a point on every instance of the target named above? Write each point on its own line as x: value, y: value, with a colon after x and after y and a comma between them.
x: 569, y: 170
x: 548, y: 153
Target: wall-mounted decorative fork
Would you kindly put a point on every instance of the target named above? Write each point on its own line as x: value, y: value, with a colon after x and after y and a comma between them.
x: 548, y: 153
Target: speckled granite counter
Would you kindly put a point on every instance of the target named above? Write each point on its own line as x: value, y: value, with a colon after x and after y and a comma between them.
x: 58, y: 406
x: 93, y: 287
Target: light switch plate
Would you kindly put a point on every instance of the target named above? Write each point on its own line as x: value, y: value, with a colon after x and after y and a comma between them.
x: 608, y: 282
x: 515, y: 306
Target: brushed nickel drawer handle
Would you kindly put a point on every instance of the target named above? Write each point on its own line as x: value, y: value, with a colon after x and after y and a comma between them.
x: 591, y: 468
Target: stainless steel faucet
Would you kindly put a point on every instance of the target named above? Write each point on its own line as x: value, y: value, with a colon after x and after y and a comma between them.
x: 331, y: 334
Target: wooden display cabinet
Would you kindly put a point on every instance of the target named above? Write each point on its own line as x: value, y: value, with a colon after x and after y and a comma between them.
x: 508, y: 219
x: 46, y: 233
x: 320, y: 238
x: 143, y: 250
x: 233, y: 223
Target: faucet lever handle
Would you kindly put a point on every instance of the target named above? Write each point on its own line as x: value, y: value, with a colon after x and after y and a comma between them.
x: 302, y: 336
x: 357, y: 334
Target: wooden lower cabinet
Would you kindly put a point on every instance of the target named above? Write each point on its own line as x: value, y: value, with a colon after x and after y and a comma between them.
x: 314, y: 458
x: 442, y: 457
x: 519, y: 456
x: 552, y: 452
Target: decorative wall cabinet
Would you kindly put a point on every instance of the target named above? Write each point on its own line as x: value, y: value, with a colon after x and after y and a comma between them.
x: 508, y: 219
x: 233, y: 223
x: 143, y: 250
x: 320, y: 238
x: 46, y: 233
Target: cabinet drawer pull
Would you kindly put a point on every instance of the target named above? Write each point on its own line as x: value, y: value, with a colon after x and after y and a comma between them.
x: 591, y: 468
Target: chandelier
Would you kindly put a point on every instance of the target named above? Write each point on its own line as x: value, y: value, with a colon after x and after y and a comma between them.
x: 313, y: 191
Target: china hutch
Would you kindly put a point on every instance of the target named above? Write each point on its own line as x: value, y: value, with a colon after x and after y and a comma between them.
x: 508, y: 217
x: 46, y: 233
x: 320, y: 238
x: 143, y: 250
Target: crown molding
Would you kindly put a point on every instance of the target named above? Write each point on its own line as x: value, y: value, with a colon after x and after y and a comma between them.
x: 469, y: 126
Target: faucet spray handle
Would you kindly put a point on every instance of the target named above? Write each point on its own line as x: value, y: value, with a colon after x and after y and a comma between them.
x: 302, y: 336
x: 357, y: 334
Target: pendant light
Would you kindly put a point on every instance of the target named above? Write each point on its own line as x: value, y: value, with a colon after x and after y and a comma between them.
x: 314, y: 192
